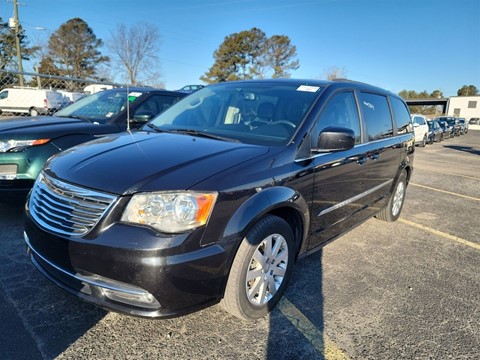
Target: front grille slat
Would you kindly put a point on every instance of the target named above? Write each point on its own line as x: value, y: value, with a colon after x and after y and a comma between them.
x: 67, y: 209
x: 71, y: 201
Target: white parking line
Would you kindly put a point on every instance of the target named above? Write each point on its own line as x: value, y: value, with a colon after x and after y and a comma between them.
x: 445, y: 235
x: 317, y: 338
x: 446, y: 192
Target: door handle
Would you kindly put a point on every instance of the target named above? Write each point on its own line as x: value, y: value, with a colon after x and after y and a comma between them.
x: 361, y: 160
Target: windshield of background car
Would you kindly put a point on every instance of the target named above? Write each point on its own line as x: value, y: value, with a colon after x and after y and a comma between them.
x: 258, y: 113
x: 101, y: 106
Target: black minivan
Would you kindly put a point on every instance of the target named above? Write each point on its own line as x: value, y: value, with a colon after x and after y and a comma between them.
x: 216, y: 198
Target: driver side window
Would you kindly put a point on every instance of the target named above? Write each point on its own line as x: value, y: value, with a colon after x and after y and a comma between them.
x: 340, y: 111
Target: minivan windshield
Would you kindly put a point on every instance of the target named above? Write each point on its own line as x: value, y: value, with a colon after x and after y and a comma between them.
x: 261, y: 113
x: 101, y: 106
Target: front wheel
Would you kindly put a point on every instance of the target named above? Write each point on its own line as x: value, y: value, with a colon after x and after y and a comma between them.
x: 392, y: 211
x: 424, y: 141
x: 33, y: 112
x: 261, y: 269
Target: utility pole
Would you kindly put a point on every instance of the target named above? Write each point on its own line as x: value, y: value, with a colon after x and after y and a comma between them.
x: 17, y: 41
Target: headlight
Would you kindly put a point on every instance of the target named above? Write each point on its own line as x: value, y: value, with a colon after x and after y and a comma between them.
x: 7, y: 145
x: 170, y: 212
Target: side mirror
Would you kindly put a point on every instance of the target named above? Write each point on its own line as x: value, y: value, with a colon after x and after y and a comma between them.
x: 143, y: 117
x: 140, y: 119
x: 335, y: 139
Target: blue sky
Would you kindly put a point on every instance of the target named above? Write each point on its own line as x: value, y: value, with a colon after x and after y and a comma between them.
x: 395, y: 44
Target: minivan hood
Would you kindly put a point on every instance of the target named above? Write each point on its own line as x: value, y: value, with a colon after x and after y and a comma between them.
x: 42, y: 126
x: 146, y: 161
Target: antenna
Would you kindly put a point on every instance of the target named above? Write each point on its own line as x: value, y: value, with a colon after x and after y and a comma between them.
x: 128, y: 111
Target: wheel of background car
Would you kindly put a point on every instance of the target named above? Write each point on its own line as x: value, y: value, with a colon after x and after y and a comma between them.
x: 424, y: 141
x: 261, y: 269
x: 33, y: 112
x: 286, y: 122
x: 394, y: 207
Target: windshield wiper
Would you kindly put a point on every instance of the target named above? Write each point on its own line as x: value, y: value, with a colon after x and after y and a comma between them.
x: 157, y: 128
x: 74, y: 117
x: 204, y: 134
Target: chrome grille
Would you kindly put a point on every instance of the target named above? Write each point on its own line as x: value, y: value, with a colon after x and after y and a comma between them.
x: 67, y: 209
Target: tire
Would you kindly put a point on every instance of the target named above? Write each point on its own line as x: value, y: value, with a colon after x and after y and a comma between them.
x: 255, y: 298
x: 394, y: 207
x: 424, y: 141
x: 33, y: 112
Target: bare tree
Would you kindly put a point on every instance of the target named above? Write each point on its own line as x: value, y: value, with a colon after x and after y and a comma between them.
x: 134, y: 52
x: 334, y: 72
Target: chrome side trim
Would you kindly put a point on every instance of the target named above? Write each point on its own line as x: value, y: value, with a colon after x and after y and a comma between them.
x: 86, y: 279
x: 355, y: 198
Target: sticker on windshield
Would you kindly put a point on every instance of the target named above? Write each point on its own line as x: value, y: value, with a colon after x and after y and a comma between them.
x: 133, y: 96
x: 308, y: 88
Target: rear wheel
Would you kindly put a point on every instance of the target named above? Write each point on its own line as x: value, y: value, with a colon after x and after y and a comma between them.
x: 261, y: 269
x: 33, y: 112
x: 394, y: 207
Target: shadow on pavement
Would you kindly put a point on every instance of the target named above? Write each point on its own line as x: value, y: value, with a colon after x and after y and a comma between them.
x: 32, y: 308
x: 468, y: 149
x: 304, y: 295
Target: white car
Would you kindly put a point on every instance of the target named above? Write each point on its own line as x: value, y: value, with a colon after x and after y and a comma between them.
x: 420, y: 129
x: 31, y: 101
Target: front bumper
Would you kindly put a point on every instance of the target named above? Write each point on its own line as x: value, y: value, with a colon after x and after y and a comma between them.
x: 132, y: 270
x: 18, y: 170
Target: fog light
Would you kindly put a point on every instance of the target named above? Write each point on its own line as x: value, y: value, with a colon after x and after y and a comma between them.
x: 145, y: 299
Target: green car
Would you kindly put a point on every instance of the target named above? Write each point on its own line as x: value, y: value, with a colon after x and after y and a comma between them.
x: 26, y: 143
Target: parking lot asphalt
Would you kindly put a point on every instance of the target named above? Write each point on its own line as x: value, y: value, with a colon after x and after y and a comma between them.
x: 408, y: 290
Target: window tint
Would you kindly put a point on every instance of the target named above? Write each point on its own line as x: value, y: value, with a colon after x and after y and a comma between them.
x: 341, y: 111
x: 377, y: 116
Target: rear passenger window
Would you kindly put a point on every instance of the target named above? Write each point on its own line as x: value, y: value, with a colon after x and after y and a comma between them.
x: 402, y: 116
x: 376, y: 113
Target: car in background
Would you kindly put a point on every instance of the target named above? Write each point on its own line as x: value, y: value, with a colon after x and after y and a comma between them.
x: 420, y: 129
x: 474, y: 121
x: 216, y: 198
x: 463, y: 126
x: 446, y: 129
x: 453, y: 122
x: 435, y: 131
x: 72, y: 96
x: 26, y: 143
x: 191, y: 88
x: 94, y: 88
x: 31, y: 101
